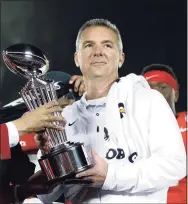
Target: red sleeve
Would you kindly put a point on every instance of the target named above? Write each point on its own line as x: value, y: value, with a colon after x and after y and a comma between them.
x: 4, y: 142
x: 177, y: 194
x: 182, y: 122
x: 28, y: 143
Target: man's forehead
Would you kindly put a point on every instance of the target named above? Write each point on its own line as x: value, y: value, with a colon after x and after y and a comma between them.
x: 98, y: 33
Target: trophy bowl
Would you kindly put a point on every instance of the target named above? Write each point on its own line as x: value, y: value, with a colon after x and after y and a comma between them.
x: 24, y: 59
x: 65, y: 158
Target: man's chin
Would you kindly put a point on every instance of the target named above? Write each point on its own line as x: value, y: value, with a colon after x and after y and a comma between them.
x: 98, y: 75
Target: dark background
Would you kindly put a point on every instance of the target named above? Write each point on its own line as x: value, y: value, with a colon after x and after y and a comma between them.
x: 153, y: 31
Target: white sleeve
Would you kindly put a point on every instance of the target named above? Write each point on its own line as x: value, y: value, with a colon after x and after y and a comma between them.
x: 13, y: 134
x: 167, y: 163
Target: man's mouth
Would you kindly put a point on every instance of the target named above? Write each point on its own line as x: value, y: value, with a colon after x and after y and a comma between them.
x: 98, y: 63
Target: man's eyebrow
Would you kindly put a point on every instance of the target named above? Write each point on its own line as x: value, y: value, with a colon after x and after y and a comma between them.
x: 103, y: 42
x: 107, y: 41
x: 88, y: 41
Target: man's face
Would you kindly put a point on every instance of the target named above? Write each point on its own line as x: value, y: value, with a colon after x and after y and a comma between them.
x: 98, y: 53
x: 166, y: 90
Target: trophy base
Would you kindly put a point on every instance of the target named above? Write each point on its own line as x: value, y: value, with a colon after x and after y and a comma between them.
x: 71, y: 179
x: 65, y: 161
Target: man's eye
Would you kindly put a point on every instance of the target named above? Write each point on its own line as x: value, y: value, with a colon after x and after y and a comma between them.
x: 88, y: 45
x: 108, y: 45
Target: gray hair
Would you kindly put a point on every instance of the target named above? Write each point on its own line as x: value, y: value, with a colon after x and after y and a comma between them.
x: 103, y: 23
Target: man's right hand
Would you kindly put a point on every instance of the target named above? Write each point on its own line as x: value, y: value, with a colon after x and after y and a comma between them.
x: 39, y: 119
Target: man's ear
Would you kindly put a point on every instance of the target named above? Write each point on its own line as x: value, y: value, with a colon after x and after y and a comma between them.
x: 176, y: 96
x: 76, y: 59
x: 121, y: 59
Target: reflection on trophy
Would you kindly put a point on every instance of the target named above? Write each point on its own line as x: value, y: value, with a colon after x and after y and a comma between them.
x: 65, y: 158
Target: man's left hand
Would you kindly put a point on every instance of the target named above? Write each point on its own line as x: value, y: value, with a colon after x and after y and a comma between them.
x: 98, y: 172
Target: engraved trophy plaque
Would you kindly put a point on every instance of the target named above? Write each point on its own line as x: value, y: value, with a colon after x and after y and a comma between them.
x: 65, y: 158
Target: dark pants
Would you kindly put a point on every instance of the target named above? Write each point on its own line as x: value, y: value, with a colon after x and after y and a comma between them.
x: 16, y: 170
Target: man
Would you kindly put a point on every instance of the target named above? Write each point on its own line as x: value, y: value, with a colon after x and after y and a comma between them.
x: 162, y: 78
x: 121, y: 118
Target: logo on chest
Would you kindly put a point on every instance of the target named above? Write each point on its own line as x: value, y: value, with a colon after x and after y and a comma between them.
x: 120, y: 154
x: 117, y: 153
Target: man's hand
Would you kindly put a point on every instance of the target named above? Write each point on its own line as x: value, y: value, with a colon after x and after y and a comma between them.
x: 98, y: 172
x: 39, y: 119
x: 78, y: 84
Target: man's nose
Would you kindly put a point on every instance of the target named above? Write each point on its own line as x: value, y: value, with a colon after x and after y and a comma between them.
x: 98, y: 51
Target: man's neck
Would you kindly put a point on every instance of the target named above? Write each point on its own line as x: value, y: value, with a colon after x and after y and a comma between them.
x: 98, y: 87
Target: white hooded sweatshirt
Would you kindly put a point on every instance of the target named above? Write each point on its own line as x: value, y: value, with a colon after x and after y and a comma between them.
x: 135, y: 131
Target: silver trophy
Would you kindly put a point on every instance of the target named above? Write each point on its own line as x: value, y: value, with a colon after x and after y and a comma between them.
x: 65, y: 158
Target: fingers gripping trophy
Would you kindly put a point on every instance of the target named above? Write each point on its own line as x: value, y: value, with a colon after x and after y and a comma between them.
x: 65, y: 158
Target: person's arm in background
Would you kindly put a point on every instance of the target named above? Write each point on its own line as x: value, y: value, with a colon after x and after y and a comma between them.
x: 4, y: 142
x: 36, y: 120
x: 18, y: 169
